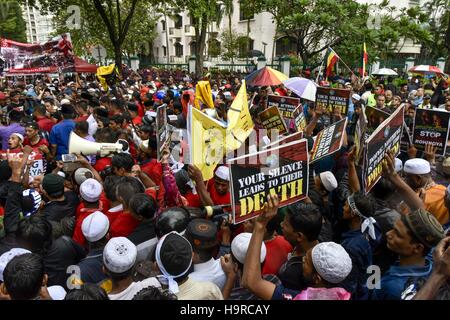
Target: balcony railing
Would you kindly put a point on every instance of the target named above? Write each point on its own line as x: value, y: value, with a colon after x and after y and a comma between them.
x: 173, y: 32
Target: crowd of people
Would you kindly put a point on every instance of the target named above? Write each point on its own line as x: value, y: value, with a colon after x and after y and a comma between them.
x: 127, y: 226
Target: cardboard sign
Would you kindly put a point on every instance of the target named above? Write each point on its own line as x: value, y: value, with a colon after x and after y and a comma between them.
x: 329, y: 140
x: 286, y: 105
x: 431, y: 127
x: 271, y: 119
x: 299, y: 119
x: 162, y: 132
x: 281, y: 170
x: 37, y: 168
x: 386, y: 137
x: 330, y: 99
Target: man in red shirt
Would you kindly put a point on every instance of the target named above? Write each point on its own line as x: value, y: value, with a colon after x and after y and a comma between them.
x: 44, y: 123
x: 219, y: 186
x: 125, y: 223
x: 133, y: 110
x: 81, y: 109
x: 33, y: 140
x: 147, y: 160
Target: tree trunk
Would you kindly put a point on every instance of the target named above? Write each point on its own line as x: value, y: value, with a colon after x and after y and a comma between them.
x: 248, y: 39
x: 167, y: 39
x: 231, y: 35
x: 447, y: 41
x: 118, y: 56
x: 200, y: 46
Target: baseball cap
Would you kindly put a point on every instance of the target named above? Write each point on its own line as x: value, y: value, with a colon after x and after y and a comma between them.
x: 53, y: 183
x: 31, y: 201
x: 119, y: 255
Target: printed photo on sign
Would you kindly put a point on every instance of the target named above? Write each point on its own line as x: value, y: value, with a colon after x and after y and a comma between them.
x: 271, y: 119
x: 331, y: 98
x: 299, y: 119
x: 286, y: 105
x: 163, y: 136
x: 431, y: 127
x: 281, y: 170
x: 385, y: 138
x: 374, y: 117
x: 329, y: 140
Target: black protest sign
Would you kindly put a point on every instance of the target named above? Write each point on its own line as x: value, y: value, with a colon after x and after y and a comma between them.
x: 271, y: 119
x: 299, y: 119
x: 162, y: 133
x: 286, y: 105
x: 330, y: 99
x: 359, y: 137
x: 385, y: 138
x: 431, y: 127
x: 329, y: 140
x: 280, y: 170
x: 406, y: 140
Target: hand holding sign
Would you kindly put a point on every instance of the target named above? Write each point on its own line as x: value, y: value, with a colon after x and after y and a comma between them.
x: 270, y: 210
x: 388, y: 165
x: 430, y: 153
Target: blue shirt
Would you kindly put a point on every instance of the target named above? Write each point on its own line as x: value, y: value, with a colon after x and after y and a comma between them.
x: 60, y: 136
x: 395, y: 279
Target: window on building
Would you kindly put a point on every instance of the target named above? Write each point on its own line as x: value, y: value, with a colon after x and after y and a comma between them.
x: 164, y: 51
x: 163, y: 25
x: 178, y: 49
x: 178, y: 21
x: 244, y: 15
x: 285, y: 46
x: 193, y: 47
x: 245, y: 45
x: 414, y: 3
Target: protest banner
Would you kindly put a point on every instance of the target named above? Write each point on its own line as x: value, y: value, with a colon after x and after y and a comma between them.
x: 329, y: 140
x: 299, y: 119
x: 53, y: 56
x: 163, y: 136
x: 286, y: 105
x: 37, y: 167
x: 431, y: 127
x: 374, y: 117
x: 281, y: 170
x: 271, y: 119
x: 385, y: 138
x: 206, y: 140
x: 285, y: 139
x: 331, y: 98
x: 406, y: 140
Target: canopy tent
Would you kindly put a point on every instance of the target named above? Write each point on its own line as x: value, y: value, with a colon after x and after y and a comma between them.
x: 84, y: 66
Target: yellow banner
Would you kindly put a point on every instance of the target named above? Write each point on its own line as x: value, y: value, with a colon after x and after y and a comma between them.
x: 203, y: 93
x: 240, y: 123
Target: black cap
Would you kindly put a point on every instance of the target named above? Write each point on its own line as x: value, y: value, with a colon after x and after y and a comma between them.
x: 202, y: 233
x: 175, y: 254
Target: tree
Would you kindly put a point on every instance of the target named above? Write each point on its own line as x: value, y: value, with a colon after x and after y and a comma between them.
x: 115, y: 15
x: 203, y: 13
x: 141, y: 33
x: 12, y: 24
x: 438, y: 25
x: 230, y: 41
x: 343, y: 25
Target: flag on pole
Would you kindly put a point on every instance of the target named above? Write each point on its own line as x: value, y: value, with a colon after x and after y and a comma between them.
x: 331, y: 58
x: 365, y: 61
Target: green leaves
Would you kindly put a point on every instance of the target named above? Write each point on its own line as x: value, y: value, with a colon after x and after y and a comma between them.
x: 12, y: 25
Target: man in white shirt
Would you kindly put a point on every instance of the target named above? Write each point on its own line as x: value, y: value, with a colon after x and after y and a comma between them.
x: 202, y: 234
x: 119, y: 257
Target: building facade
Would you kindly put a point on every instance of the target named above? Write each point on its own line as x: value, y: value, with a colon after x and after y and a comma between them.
x: 175, y: 42
x: 39, y: 27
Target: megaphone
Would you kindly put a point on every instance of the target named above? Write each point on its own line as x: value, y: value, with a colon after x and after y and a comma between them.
x: 78, y: 145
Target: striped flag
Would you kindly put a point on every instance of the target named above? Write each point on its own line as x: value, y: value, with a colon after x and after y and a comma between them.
x: 331, y: 58
x: 365, y: 61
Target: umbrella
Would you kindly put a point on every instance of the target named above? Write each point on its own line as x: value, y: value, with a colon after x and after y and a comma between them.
x: 385, y: 72
x: 265, y: 77
x: 302, y: 87
x: 255, y: 53
x: 425, y: 69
